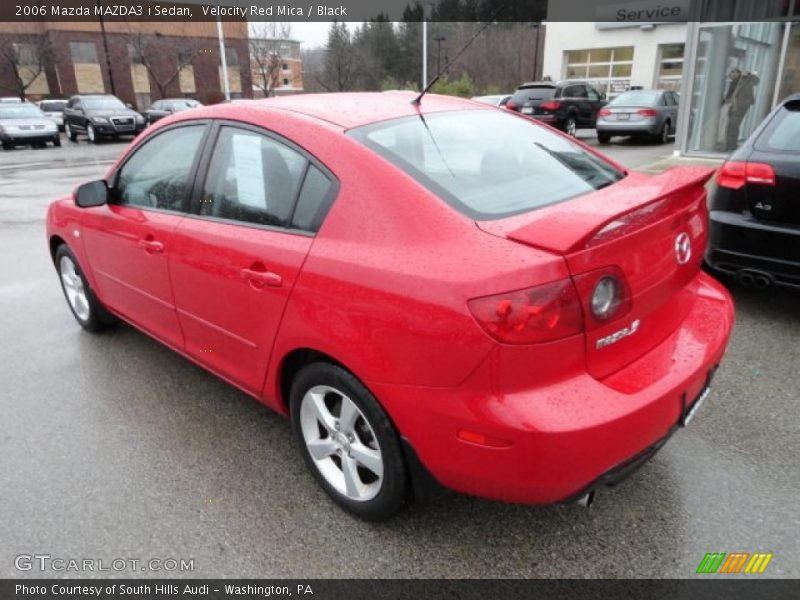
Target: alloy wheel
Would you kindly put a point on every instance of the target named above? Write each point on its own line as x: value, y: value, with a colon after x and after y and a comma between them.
x: 90, y: 133
x: 342, y: 443
x: 572, y: 128
x: 74, y: 288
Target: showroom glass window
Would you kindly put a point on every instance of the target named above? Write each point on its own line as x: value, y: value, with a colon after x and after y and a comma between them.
x: 607, y: 69
x: 670, y: 67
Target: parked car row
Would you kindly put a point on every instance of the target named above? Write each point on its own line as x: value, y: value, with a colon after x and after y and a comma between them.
x: 573, y: 104
x: 97, y: 116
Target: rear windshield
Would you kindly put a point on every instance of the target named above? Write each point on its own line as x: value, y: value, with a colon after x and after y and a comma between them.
x: 488, y: 164
x: 783, y: 132
x: 637, y: 98
x: 53, y: 105
x: 533, y: 93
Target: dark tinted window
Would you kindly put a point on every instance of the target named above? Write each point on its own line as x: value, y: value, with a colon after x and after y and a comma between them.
x: 157, y: 175
x: 783, y: 132
x: 488, y: 164
x: 574, y: 91
x: 314, y: 202
x: 53, y: 105
x: 252, y: 178
x: 593, y: 93
x: 533, y: 93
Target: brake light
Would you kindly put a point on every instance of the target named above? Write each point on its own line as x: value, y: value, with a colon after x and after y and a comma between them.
x: 550, y: 105
x: 606, y: 295
x: 734, y: 174
x: 542, y: 313
x: 647, y: 112
x: 603, y: 112
x: 510, y: 105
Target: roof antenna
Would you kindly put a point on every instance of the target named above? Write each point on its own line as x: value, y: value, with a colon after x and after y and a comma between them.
x: 418, y: 100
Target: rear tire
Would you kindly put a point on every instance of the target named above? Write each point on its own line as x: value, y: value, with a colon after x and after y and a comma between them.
x: 663, y: 136
x: 348, y: 442
x: 57, y: 141
x: 603, y: 138
x: 7, y: 146
x: 571, y: 126
x: 85, y: 307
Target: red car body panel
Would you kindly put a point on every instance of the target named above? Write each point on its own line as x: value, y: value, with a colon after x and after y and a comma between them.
x: 383, y: 288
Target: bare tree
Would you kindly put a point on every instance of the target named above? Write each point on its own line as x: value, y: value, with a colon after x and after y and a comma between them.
x: 149, y: 50
x: 265, y: 53
x: 26, y: 60
x: 339, y: 58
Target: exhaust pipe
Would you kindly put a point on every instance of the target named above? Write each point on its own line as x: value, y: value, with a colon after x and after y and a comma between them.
x: 757, y: 279
x: 586, y: 500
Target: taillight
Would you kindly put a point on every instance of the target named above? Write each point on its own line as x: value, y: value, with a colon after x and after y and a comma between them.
x: 510, y: 105
x: 647, y: 112
x: 734, y: 174
x: 543, y: 313
x: 603, y: 112
x: 605, y: 294
x: 550, y: 105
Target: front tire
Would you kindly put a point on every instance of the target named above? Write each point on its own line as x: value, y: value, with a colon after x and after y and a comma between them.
x: 92, y: 134
x: 57, y: 141
x: 71, y: 135
x: 85, y: 307
x: 7, y: 145
x: 348, y: 442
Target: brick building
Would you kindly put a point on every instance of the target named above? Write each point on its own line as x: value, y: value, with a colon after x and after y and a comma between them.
x: 138, y: 62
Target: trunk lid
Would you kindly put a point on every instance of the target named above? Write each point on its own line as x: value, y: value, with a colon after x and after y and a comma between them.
x: 653, y: 229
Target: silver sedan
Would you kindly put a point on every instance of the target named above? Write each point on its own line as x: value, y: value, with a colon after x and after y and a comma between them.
x: 643, y: 113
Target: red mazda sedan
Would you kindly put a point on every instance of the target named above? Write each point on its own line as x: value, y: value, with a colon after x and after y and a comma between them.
x: 436, y: 293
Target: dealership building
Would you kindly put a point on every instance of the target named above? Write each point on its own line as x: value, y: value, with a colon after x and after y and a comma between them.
x: 755, y: 39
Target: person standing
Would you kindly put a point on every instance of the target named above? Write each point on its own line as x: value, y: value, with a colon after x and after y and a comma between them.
x: 739, y: 98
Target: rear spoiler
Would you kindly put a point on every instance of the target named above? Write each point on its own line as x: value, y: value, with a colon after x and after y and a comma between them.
x: 571, y: 225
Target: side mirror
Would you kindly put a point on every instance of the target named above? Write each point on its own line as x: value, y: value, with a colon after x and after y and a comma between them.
x: 94, y: 193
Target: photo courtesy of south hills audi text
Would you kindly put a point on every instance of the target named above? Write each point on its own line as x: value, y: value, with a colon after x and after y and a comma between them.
x: 219, y: 589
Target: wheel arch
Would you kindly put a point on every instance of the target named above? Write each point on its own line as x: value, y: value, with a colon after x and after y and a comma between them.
x: 54, y: 242
x: 291, y: 363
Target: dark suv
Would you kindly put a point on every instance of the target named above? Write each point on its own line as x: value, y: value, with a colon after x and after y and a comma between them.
x: 567, y: 105
x: 754, y: 221
x: 99, y: 116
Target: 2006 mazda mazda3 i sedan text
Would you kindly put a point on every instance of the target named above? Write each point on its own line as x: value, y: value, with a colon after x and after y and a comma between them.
x: 436, y: 292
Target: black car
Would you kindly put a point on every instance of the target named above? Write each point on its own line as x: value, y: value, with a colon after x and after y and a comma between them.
x: 754, y: 230
x: 100, y: 116
x: 567, y: 105
x: 163, y: 108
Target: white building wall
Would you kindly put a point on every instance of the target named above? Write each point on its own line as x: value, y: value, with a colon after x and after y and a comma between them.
x: 564, y: 36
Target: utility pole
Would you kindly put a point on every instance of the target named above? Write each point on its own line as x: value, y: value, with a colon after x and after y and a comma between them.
x: 424, y: 51
x: 439, y: 39
x: 537, y: 27
x: 224, y: 59
x: 105, y: 51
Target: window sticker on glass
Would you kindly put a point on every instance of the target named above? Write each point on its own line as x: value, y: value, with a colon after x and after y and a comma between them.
x: 249, y: 171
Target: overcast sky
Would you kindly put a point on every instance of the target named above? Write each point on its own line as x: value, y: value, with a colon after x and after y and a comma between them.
x: 313, y: 33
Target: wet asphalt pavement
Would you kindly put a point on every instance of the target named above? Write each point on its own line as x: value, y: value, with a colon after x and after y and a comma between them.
x: 112, y: 446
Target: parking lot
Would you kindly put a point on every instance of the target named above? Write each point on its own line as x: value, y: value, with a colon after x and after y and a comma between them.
x: 113, y: 446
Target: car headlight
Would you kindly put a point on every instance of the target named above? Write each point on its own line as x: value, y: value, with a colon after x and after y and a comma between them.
x: 51, y: 127
x: 100, y: 120
x: 10, y: 129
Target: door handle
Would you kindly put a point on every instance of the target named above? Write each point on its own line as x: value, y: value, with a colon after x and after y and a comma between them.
x: 152, y: 246
x: 259, y: 279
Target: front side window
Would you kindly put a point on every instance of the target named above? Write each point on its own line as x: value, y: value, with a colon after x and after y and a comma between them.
x: 783, y: 132
x: 252, y: 178
x: 488, y: 164
x: 158, y: 174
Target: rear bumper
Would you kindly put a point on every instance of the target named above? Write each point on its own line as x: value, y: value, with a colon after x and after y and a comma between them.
x: 737, y: 241
x: 564, y: 437
x: 644, y: 127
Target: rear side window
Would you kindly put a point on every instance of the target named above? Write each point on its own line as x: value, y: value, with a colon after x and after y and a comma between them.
x: 488, y: 164
x: 783, y: 132
x: 254, y: 178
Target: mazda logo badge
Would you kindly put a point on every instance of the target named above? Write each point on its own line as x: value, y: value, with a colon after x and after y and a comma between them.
x: 683, y: 248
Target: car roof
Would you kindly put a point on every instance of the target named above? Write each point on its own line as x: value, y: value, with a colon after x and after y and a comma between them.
x: 354, y: 109
x: 558, y: 83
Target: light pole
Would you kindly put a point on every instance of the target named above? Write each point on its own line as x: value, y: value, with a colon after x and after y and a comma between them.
x: 439, y: 39
x: 424, y: 51
x: 537, y: 27
x: 224, y: 59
